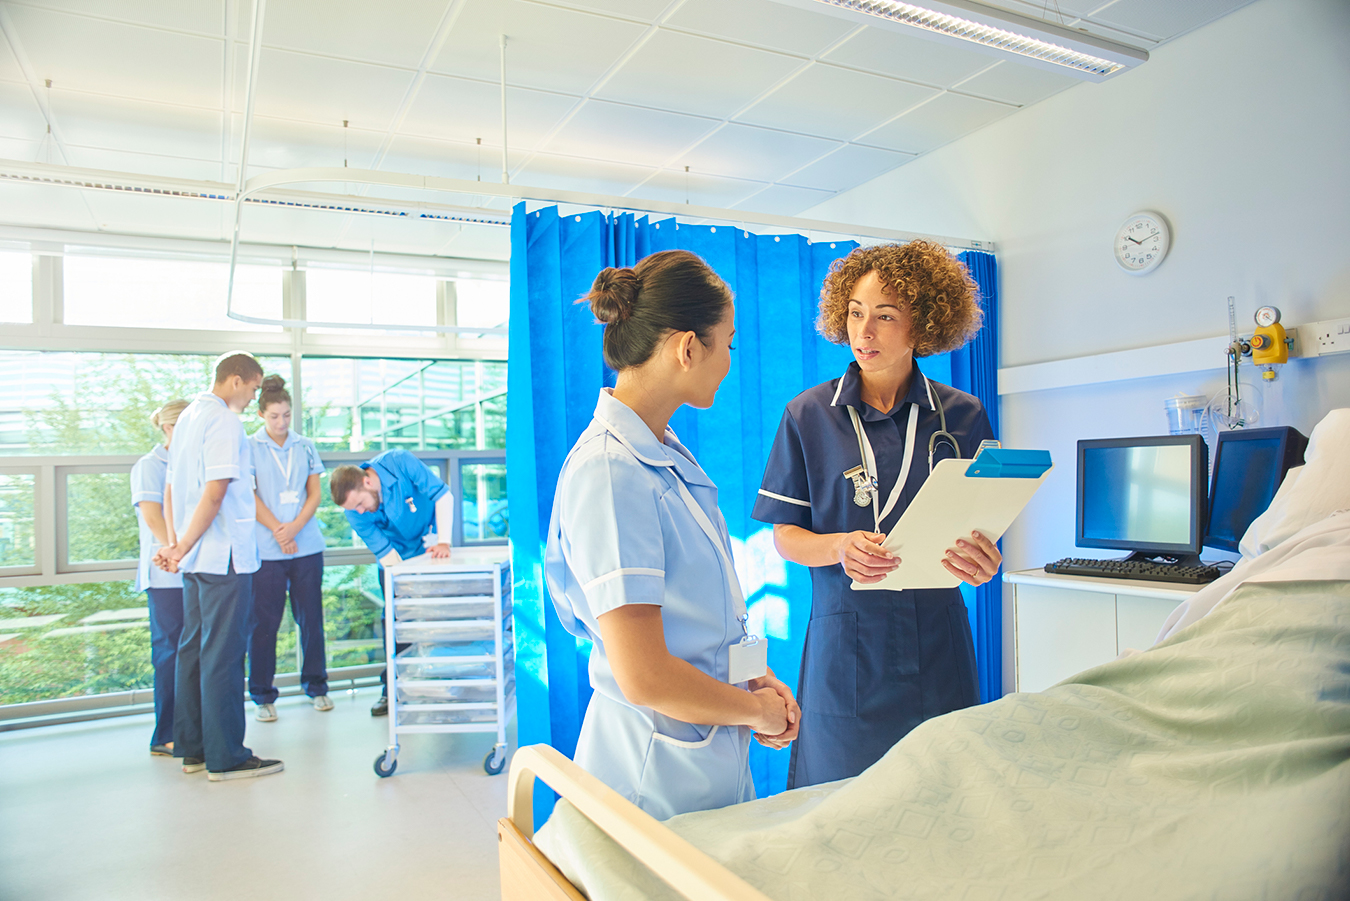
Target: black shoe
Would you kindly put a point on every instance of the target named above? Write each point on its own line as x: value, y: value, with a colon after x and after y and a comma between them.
x: 249, y: 769
x: 193, y: 764
x: 380, y: 707
x: 165, y: 750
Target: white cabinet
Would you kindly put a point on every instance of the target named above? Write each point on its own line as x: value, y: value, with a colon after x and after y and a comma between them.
x: 1063, y: 625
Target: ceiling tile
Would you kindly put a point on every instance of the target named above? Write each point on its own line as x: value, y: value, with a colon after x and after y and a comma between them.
x: 19, y: 113
x: 918, y: 59
x: 199, y: 16
x: 744, y: 151
x: 318, y: 89
x: 644, y: 10
x: 938, y: 122
x: 696, y: 75
x: 828, y: 101
x: 394, y: 33
x: 696, y: 189
x: 462, y: 110
x: 83, y: 54
x: 9, y: 66
x: 28, y: 151
x: 550, y: 48
x: 444, y: 159
x: 784, y: 200
x: 287, y: 144
x: 1059, y: 12
x: 44, y: 206
x: 137, y: 126
x: 1012, y: 82
x: 573, y: 174
x: 762, y: 23
x: 847, y: 167
x: 146, y: 163
x: 1163, y: 19
x: 629, y: 134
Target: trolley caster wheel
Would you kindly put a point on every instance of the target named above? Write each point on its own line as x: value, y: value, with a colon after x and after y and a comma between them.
x: 385, y: 764
x: 495, y: 761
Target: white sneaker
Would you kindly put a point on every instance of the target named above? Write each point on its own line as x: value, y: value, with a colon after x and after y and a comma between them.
x: 322, y: 702
x: 267, y: 713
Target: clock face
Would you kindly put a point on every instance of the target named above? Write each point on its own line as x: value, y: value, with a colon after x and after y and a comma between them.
x: 1141, y: 243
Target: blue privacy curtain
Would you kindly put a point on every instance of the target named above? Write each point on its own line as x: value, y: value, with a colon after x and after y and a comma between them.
x: 555, y: 374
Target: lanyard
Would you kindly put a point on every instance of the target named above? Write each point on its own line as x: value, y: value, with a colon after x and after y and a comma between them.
x: 704, y: 523
x: 286, y: 470
x: 870, y: 462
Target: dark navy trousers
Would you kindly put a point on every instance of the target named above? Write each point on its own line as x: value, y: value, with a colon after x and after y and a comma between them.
x: 304, y: 576
x: 208, y: 717
x: 166, y: 629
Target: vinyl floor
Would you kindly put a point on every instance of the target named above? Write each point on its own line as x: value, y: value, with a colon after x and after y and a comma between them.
x: 87, y: 813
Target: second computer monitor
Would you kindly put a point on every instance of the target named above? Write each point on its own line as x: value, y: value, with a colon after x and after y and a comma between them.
x: 1143, y: 494
x: 1249, y: 465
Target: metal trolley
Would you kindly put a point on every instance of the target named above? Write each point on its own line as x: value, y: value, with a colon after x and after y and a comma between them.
x: 458, y: 675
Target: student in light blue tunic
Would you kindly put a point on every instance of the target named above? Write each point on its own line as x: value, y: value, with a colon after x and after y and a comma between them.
x: 213, y: 511
x: 639, y: 561
x: 290, y: 547
x: 163, y: 590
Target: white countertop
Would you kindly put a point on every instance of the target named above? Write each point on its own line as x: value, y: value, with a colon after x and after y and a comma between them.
x: 1136, y: 587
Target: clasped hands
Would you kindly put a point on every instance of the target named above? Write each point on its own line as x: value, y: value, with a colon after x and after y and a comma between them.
x: 779, y: 707
x: 168, y: 556
x: 974, y: 561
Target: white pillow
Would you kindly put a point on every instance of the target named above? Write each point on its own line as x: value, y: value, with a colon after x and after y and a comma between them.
x: 1309, y: 493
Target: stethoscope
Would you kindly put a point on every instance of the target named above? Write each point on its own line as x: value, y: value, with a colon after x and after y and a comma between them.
x: 863, y: 477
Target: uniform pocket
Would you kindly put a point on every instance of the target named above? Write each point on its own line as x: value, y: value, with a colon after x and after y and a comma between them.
x: 680, y: 776
x: 831, y: 674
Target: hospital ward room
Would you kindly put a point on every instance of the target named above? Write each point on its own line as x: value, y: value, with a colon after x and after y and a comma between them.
x: 722, y: 450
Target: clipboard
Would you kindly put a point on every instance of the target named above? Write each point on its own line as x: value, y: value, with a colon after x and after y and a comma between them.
x: 959, y: 497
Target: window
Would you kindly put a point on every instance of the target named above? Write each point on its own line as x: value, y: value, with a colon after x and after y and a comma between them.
x: 375, y: 405
x: 94, y: 403
x: 101, y: 524
x: 483, y: 486
x: 16, y: 287
x: 18, y: 547
x: 345, y: 295
x: 175, y: 294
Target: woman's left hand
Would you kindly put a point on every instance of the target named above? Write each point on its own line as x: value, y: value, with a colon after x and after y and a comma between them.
x: 973, y: 561
x: 794, y: 716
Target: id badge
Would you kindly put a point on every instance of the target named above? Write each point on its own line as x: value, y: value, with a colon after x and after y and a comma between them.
x: 749, y: 659
x: 290, y: 497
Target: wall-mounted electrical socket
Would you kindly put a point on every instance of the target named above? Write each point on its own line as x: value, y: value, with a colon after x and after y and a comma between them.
x: 1330, y: 336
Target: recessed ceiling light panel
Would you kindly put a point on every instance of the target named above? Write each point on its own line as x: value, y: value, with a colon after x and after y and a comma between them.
x: 971, y: 24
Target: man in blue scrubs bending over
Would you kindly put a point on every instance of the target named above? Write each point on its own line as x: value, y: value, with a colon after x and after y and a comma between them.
x: 400, y: 509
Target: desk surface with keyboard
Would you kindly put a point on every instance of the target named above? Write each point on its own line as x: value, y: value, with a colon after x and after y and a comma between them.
x: 1143, y: 570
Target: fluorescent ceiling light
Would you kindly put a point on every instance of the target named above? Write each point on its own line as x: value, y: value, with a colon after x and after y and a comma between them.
x: 1032, y: 41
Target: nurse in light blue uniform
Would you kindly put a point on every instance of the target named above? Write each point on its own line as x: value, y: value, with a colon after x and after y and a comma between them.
x: 286, y: 467
x: 639, y: 559
x: 163, y: 590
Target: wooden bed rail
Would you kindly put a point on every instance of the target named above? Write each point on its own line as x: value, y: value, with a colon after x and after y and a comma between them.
x: 685, y: 868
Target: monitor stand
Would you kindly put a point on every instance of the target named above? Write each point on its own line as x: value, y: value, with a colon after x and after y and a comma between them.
x: 1170, y: 559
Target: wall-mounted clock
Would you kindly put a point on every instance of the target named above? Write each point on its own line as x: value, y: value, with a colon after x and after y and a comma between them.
x: 1142, y: 243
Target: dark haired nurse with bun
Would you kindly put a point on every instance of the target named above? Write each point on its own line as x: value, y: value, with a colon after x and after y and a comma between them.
x: 849, y: 457
x: 290, y: 546
x: 639, y: 558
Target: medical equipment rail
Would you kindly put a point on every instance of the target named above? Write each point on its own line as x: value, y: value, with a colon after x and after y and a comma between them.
x: 458, y: 674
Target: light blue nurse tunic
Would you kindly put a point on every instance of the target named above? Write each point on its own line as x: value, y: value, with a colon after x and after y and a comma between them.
x: 621, y: 533
x: 282, y: 474
x: 147, y: 484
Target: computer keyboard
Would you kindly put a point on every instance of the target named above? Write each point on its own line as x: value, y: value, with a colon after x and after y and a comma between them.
x: 1134, y: 569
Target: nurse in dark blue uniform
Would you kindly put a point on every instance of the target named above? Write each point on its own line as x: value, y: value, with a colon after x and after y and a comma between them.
x: 848, y: 458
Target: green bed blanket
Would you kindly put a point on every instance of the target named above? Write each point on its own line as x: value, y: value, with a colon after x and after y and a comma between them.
x: 1215, y: 765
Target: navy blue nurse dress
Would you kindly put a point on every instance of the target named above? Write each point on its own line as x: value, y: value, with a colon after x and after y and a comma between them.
x: 876, y: 663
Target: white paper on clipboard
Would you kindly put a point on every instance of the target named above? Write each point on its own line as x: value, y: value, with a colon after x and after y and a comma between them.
x: 950, y: 505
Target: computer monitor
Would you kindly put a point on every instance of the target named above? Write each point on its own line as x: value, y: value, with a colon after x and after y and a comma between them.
x: 1249, y: 465
x: 1144, y: 495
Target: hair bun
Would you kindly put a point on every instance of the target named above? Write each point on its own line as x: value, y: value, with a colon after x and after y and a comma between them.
x: 273, y: 383
x: 613, y: 294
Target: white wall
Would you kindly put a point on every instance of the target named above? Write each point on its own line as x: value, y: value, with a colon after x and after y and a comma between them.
x: 1239, y: 134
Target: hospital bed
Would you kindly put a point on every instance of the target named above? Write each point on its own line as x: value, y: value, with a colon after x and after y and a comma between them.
x: 1214, y: 764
